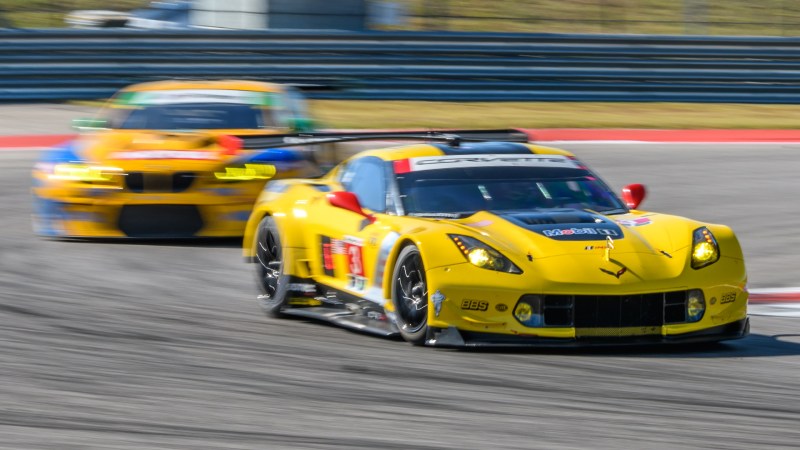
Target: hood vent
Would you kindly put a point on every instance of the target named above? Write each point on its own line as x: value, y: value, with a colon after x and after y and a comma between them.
x: 566, y: 224
x: 555, y: 216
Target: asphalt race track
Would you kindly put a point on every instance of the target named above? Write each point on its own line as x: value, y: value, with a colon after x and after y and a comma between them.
x: 131, y: 346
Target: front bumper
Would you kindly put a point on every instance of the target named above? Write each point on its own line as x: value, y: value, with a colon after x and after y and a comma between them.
x: 481, y: 305
x: 170, y: 218
x: 452, y: 337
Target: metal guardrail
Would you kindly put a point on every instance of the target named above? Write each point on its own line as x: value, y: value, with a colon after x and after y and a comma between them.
x: 53, y: 65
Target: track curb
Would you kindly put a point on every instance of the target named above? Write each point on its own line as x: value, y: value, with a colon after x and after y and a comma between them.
x: 774, y: 295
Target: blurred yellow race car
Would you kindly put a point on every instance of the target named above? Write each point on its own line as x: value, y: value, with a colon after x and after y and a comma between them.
x: 458, y: 243
x: 161, y: 161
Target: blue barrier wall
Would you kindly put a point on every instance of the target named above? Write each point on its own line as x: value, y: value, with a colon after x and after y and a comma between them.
x: 52, y: 65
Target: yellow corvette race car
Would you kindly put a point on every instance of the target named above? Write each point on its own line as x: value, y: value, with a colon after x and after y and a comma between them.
x: 161, y: 161
x: 458, y: 243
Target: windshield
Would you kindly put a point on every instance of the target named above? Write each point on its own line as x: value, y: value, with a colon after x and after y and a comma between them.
x: 192, y: 116
x: 464, y: 191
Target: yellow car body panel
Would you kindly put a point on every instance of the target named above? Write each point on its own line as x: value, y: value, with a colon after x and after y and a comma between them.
x: 648, y: 260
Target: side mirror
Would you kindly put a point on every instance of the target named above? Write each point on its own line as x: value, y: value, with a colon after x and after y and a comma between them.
x: 633, y: 195
x: 301, y: 124
x: 348, y: 201
x: 90, y: 124
x: 231, y: 144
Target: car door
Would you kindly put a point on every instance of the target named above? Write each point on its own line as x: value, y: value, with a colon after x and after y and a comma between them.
x: 347, y: 242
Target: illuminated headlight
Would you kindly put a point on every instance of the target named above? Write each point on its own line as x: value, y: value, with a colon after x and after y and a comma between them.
x: 83, y: 172
x: 705, y: 250
x: 248, y: 172
x: 695, y: 305
x: 483, y: 256
x: 528, y: 311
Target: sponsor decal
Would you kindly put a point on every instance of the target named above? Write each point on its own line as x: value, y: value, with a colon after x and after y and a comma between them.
x: 357, y: 283
x: 376, y: 315
x: 304, y: 288
x: 474, y: 305
x: 437, y: 298
x: 728, y: 297
x: 501, y: 307
x: 165, y: 154
x: 198, y: 96
x: 579, y: 231
x: 635, y: 222
x: 497, y: 160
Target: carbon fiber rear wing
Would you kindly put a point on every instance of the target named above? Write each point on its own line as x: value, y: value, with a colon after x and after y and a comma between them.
x: 452, y: 137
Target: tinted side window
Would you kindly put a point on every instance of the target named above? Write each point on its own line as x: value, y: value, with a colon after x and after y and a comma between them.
x: 296, y: 103
x: 366, y: 178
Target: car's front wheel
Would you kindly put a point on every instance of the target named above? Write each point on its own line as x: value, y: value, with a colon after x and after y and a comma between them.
x: 269, y: 268
x: 410, y: 296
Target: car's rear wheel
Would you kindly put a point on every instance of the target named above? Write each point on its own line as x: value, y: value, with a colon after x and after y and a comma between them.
x: 272, y: 281
x: 410, y: 296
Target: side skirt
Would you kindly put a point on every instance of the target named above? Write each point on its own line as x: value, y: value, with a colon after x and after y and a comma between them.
x: 315, y: 301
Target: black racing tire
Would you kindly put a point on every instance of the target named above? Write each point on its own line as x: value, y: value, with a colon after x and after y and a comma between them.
x: 272, y: 281
x: 410, y: 296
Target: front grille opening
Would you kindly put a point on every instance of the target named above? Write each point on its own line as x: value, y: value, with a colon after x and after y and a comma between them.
x: 610, y: 311
x: 181, y: 181
x: 156, y: 221
x: 135, y: 181
x: 675, y: 307
x: 558, y: 310
x: 141, y: 182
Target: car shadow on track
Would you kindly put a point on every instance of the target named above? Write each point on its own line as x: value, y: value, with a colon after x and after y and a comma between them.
x: 752, y: 346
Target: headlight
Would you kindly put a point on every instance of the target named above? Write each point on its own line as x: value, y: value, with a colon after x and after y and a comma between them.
x: 695, y: 305
x: 248, y: 172
x: 83, y: 172
x: 705, y: 250
x: 483, y: 256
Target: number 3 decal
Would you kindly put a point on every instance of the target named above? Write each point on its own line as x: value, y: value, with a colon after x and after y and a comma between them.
x: 355, y: 260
